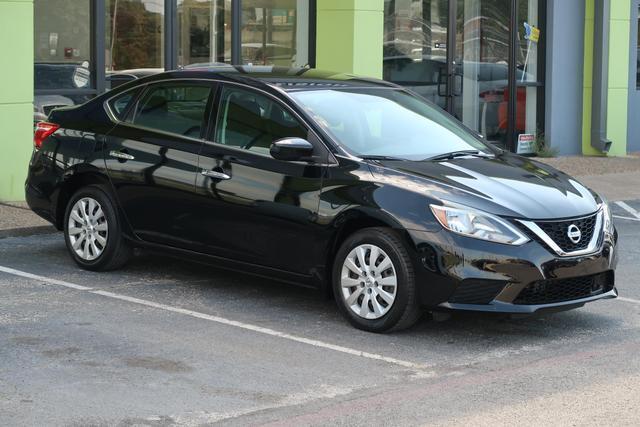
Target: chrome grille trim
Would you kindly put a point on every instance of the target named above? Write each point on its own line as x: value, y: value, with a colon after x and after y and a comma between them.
x: 591, y: 248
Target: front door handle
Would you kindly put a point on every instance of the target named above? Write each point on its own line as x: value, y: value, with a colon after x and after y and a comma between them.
x: 121, y: 156
x: 215, y: 174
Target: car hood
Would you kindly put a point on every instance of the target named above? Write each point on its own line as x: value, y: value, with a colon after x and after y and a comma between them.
x: 506, y: 185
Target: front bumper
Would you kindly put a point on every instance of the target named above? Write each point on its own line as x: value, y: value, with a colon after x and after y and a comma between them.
x: 460, y: 273
x: 504, y: 307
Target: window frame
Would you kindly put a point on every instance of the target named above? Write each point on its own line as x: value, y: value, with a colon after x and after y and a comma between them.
x: 321, y: 149
x: 317, y: 137
x: 143, y: 89
x: 220, y: 107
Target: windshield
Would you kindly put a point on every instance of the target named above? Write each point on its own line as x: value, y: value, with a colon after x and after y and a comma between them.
x: 387, y: 122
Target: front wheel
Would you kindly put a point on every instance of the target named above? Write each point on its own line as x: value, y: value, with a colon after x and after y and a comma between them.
x: 93, y: 233
x: 374, y: 281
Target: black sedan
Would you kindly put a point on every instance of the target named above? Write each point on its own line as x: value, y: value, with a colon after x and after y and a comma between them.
x: 347, y: 184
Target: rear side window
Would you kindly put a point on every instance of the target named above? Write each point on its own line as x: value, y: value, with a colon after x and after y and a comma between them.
x: 120, y: 104
x: 249, y: 120
x: 177, y: 108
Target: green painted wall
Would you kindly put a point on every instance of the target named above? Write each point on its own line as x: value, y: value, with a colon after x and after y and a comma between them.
x: 618, y: 86
x: 617, y: 112
x: 16, y: 96
x: 350, y: 35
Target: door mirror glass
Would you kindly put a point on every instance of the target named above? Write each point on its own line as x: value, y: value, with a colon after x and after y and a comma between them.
x: 291, y: 149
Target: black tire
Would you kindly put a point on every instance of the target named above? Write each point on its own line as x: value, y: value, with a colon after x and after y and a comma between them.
x: 405, y: 310
x: 117, y: 250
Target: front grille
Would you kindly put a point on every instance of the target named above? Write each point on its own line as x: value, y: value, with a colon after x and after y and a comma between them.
x: 561, y: 290
x: 473, y: 291
x: 558, y: 231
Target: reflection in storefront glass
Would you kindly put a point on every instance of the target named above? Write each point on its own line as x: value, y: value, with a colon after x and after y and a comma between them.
x: 204, y: 31
x: 415, y: 45
x: 474, y: 86
x: 482, y: 62
x: 62, y: 45
x: 134, y: 35
x: 275, y: 32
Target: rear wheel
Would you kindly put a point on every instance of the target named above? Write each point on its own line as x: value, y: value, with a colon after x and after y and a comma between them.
x: 374, y: 282
x: 93, y: 233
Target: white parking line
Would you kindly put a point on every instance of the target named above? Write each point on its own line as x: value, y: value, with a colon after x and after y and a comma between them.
x: 44, y: 280
x: 629, y: 209
x: 631, y: 300
x: 223, y: 321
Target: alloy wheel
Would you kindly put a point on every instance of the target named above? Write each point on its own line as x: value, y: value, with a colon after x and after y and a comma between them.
x: 369, y: 281
x: 87, y: 229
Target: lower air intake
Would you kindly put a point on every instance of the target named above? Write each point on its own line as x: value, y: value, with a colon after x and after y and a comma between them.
x: 561, y: 290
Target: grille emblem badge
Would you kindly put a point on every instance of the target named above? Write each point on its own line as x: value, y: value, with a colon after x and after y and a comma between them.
x: 574, y: 234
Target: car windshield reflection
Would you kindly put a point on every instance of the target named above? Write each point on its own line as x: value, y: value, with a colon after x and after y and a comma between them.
x: 388, y: 123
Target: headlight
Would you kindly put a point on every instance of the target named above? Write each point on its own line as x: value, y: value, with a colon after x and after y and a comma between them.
x: 608, y: 217
x: 478, y: 225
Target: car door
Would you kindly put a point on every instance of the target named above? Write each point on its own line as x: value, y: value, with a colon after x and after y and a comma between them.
x: 152, y: 156
x: 255, y: 208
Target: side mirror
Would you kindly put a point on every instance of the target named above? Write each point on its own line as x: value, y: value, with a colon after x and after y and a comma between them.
x: 291, y: 149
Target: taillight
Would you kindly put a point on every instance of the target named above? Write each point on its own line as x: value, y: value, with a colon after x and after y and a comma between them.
x: 43, y: 131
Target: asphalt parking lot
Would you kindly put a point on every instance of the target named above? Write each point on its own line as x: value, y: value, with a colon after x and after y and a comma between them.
x: 166, y: 342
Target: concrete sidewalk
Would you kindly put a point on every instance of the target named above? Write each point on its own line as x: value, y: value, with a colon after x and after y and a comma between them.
x: 16, y: 219
x: 617, y: 178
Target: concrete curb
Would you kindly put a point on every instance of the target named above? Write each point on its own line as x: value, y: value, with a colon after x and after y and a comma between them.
x: 27, y: 231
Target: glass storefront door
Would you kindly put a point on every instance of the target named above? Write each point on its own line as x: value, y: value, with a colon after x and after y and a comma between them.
x: 530, y: 77
x: 415, y: 46
x: 481, y: 67
x: 468, y: 57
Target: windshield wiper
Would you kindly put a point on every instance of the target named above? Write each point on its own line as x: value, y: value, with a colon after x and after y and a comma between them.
x: 374, y: 157
x: 452, y: 155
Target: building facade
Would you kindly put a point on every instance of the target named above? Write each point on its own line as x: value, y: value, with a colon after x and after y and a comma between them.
x: 518, y: 72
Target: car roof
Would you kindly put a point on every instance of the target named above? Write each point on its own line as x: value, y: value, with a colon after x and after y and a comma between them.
x: 288, y: 79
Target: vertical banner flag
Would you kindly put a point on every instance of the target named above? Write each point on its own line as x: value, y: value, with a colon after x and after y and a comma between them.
x: 531, y: 33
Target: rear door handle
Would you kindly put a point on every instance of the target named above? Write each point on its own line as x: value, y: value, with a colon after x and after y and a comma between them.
x: 215, y: 174
x: 120, y: 155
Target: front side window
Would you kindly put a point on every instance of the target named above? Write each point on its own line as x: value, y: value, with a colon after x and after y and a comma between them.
x: 175, y: 108
x: 387, y: 122
x: 253, y: 122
